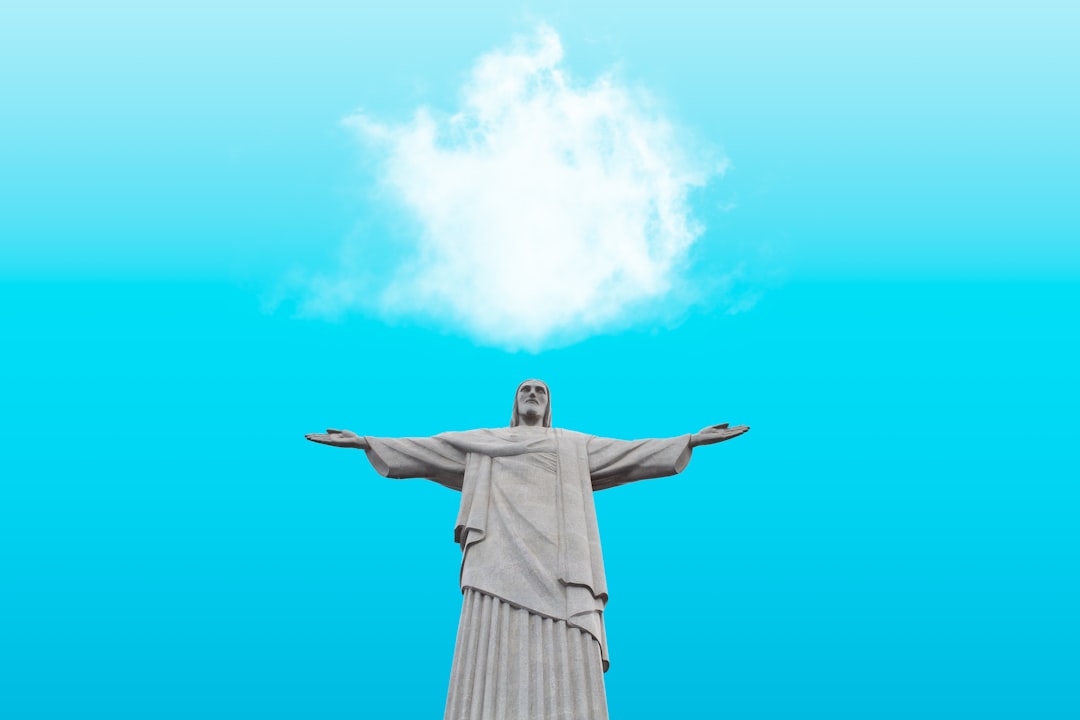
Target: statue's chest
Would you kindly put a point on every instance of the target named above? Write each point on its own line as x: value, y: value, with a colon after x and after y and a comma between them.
x: 524, y: 491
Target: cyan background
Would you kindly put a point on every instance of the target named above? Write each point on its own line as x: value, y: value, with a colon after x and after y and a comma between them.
x: 896, y: 538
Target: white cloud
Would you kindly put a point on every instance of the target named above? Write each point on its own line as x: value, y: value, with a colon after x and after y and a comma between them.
x: 546, y: 209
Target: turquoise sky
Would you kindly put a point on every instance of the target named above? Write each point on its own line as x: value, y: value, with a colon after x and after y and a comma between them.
x: 896, y: 537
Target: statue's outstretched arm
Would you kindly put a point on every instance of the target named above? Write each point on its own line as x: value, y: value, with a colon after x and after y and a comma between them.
x: 716, y: 433
x: 340, y: 438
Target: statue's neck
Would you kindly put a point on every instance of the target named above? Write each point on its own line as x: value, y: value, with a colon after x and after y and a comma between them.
x: 530, y: 428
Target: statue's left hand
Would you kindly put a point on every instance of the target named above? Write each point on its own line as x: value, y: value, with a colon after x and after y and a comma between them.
x: 716, y: 433
x: 339, y: 438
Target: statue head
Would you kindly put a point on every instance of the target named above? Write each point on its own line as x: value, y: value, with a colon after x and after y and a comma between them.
x: 532, y: 404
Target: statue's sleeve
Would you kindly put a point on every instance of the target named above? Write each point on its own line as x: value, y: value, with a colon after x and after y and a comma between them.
x: 434, y: 458
x: 617, y: 462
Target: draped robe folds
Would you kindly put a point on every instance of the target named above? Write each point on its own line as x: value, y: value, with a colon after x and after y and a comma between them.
x: 527, y: 524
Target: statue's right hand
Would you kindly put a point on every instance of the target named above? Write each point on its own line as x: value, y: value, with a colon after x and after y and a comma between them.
x: 339, y: 438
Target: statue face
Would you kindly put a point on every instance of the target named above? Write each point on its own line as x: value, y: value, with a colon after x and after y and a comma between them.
x: 532, y: 399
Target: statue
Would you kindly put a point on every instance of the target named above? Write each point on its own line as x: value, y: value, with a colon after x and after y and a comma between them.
x: 531, y: 641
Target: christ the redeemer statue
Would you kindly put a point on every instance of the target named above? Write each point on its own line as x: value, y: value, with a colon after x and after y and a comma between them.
x: 530, y: 642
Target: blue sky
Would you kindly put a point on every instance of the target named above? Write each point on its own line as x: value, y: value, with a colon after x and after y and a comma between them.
x: 883, y: 282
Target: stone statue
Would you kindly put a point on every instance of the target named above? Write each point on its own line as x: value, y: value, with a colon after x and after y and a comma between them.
x: 531, y: 641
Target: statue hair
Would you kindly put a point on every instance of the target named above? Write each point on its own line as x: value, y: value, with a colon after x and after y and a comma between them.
x: 515, y: 419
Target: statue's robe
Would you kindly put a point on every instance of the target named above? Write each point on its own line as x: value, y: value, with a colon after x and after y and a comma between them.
x: 529, y: 538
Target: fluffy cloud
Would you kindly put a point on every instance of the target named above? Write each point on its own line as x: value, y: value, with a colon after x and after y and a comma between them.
x: 546, y: 209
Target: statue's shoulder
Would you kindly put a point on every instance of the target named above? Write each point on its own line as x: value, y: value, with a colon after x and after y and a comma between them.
x: 573, y: 435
